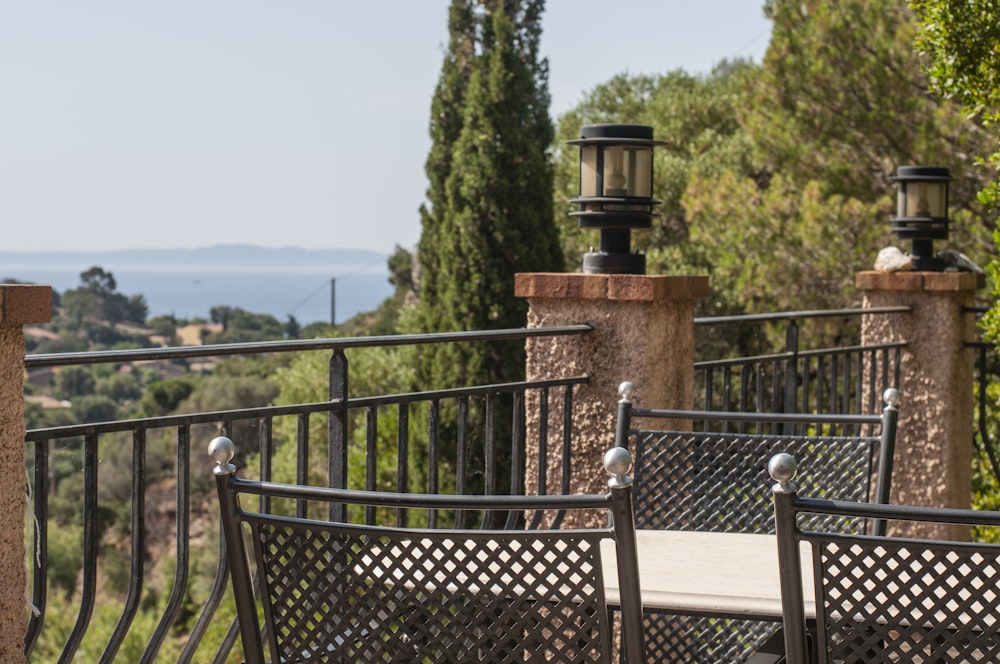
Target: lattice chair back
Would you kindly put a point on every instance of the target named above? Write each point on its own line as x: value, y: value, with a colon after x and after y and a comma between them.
x: 710, y: 479
x: 344, y: 592
x: 884, y: 599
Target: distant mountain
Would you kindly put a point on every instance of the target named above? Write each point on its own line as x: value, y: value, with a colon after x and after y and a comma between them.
x: 217, y: 255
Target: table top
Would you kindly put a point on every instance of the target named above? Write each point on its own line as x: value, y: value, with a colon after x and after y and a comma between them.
x: 725, y: 574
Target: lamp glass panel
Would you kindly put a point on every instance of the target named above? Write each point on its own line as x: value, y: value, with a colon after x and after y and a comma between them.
x: 923, y: 199
x: 640, y: 172
x: 628, y: 171
x: 615, y: 173
x: 588, y: 170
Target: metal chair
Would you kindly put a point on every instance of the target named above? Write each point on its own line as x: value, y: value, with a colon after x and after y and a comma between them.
x: 885, y: 599
x: 710, y: 479
x: 342, y: 592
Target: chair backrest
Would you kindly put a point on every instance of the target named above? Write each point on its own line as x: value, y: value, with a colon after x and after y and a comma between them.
x: 713, y: 475
x: 335, y: 591
x: 885, y: 599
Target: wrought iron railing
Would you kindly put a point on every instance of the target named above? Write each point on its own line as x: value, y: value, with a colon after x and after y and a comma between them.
x: 350, y: 444
x: 445, y: 440
x: 847, y: 378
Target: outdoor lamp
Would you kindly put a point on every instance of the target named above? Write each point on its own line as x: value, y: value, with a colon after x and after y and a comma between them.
x: 616, y: 189
x: 922, y: 212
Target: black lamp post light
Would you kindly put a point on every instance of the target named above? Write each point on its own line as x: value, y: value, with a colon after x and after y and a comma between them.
x: 616, y: 189
x: 922, y: 212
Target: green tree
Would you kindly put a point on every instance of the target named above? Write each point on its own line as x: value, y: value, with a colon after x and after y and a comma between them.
x: 73, y: 381
x: 697, y: 119
x: 489, y: 212
x: 493, y: 217
x: 960, y: 39
x: 844, y: 100
x: 164, y: 396
x: 243, y: 326
x: 445, y: 127
x: 98, y: 301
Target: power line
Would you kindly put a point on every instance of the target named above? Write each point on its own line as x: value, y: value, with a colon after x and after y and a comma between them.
x: 330, y: 282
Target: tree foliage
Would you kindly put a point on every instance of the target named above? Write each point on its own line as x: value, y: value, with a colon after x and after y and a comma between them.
x: 844, y: 99
x: 961, y: 39
x: 97, y: 300
x: 696, y: 118
x: 776, y: 179
x: 489, y: 212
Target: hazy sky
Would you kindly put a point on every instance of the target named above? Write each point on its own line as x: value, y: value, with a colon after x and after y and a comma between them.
x: 187, y: 123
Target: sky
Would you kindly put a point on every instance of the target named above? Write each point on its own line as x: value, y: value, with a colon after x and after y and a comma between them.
x: 191, y: 123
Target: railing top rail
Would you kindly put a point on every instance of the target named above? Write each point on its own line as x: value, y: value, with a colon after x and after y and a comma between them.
x: 808, y: 313
x: 163, y: 421
x: 785, y: 355
x: 735, y: 416
x: 217, y: 350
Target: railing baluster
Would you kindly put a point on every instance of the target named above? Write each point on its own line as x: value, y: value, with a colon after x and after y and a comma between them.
x: 138, y: 557
x: 265, y: 437
x: 462, y: 456
x: 371, y: 458
x: 302, y: 460
x: 516, y: 457
x: 709, y: 388
x: 182, y: 531
x: 489, y: 453
x: 90, y: 535
x: 402, y: 458
x: 433, y: 426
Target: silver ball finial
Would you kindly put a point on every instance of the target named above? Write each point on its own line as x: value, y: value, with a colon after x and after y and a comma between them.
x: 891, y: 397
x: 782, y: 468
x: 626, y: 390
x: 618, y: 461
x: 222, y: 451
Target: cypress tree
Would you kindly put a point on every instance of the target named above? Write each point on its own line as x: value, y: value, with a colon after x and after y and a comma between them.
x: 445, y: 127
x: 494, y: 215
x: 490, y: 212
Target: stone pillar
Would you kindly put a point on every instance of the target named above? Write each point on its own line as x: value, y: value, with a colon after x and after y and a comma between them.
x: 932, y: 464
x: 19, y: 304
x: 643, y: 333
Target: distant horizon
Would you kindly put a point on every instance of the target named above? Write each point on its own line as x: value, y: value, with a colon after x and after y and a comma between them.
x: 262, y: 280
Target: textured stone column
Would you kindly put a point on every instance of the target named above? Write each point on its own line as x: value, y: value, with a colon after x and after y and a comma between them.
x: 932, y: 464
x: 643, y: 333
x: 19, y: 304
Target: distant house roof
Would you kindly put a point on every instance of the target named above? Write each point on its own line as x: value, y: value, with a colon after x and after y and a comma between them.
x: 46, y: 401
x: 39, y: 333
x: 190, y: 335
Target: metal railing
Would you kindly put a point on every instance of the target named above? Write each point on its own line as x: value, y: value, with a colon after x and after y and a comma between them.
x: 345, y: 453
x: 463, y: 440
x: 842, y: 379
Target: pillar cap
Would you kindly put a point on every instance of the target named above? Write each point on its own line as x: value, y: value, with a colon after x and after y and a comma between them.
x: 874, y: 280
x: 25, y: 303
x: 621, y: 287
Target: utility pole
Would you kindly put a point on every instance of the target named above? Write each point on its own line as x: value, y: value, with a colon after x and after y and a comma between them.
x: 333, y: 300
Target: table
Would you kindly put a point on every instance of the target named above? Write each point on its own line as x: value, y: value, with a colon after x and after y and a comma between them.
x: 722, y: 574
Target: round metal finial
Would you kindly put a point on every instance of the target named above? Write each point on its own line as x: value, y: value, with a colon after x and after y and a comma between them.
x: 618, y: 461
x: 782, y: 468
x: 891, y: 397
x: 222, y: 451
x: 626, y: 390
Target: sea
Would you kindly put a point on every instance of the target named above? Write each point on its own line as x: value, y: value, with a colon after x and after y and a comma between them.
x: 310, y: 293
